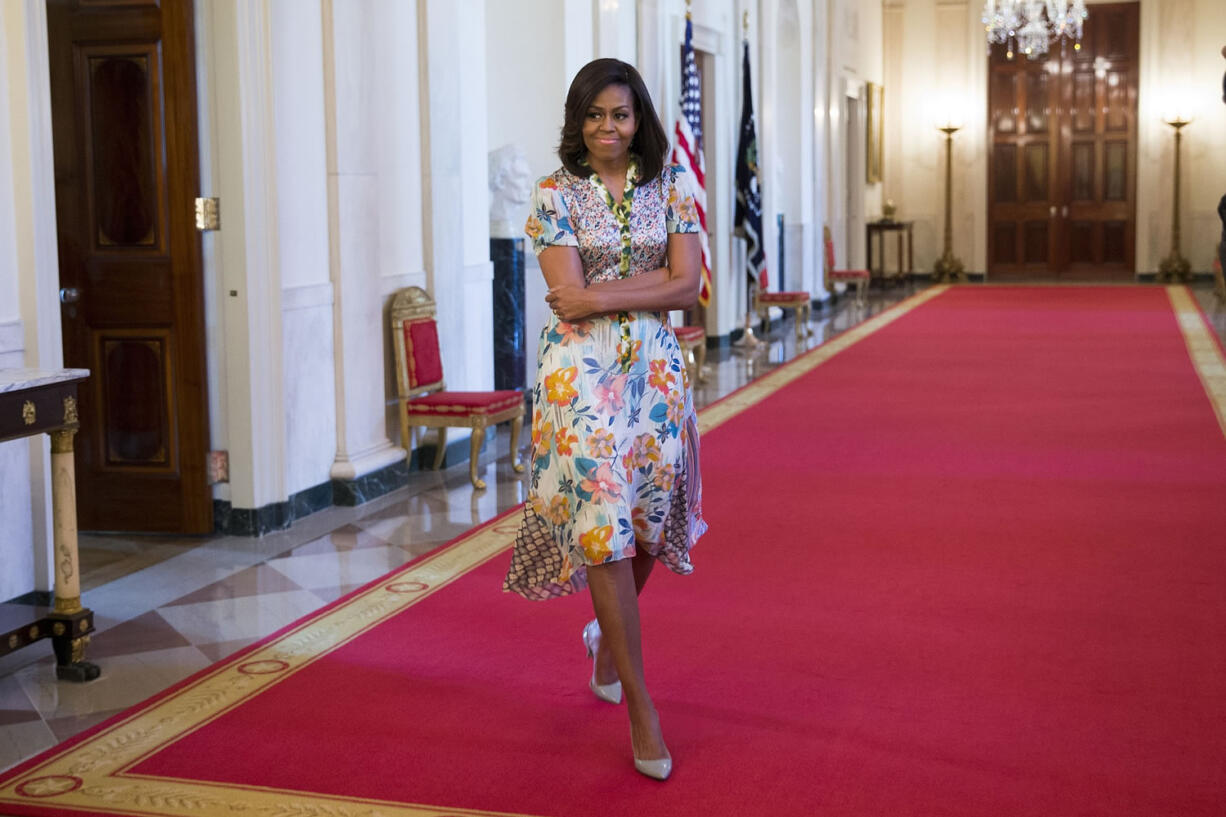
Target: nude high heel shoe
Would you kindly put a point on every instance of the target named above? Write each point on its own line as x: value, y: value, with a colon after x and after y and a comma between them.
x: 605, y: 692
x: 658, y: 769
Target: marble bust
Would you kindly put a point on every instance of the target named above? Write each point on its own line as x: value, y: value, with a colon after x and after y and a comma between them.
x: 510, y: 187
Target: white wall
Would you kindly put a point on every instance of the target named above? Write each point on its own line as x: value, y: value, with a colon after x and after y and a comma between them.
x: 1181, y: 66
x: 927, y: 77
x: 853, y: 50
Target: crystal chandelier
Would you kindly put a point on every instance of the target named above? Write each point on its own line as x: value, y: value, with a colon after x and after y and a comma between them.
x: 1032, y: 24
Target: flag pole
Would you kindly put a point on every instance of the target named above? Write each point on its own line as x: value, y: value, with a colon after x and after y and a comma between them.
x: 748, y: 340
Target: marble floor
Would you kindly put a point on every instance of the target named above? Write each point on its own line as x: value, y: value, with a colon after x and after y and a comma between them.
x: 166, y: 607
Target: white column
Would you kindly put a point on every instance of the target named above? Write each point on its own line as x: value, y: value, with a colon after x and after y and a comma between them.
x: 616, y: 30
x: 247, y: 251
x: 808, y: 276
x: 820, y: 146
x: 16, y: 526
x: 31, y: 188
x: 765, y: 34
x: 455, y: 166
x: 302, y: 228
x: 354, y: 96
x: 578, y: 36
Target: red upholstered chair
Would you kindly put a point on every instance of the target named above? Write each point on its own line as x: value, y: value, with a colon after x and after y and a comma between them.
x: 693, y: 340
x: 795, y: 300
x: 423, y: 397
x: 859, y: 277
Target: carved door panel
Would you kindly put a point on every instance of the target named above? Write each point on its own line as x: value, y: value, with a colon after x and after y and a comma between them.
x: 1023, y: 107
x: 1062, y: 130
x: 126, y: 173
x: 1099, y: 137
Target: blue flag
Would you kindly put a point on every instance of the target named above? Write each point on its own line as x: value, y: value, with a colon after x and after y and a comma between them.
x: 747, y: 220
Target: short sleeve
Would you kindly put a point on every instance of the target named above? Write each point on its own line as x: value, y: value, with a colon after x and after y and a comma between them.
x: 680, y: 212
x: 549, y: 222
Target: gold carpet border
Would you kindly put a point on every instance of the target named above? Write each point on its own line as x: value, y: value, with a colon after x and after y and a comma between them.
x: 757, y: 391
x: 89, y: 776
x: 1203, y: 349
x: 93, y: 775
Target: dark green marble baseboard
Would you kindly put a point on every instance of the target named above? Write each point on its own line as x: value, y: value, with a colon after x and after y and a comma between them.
x: 35, y: 598
x: 343, y: 492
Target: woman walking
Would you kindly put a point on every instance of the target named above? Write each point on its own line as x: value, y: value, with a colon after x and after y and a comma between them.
x: 614, y: 484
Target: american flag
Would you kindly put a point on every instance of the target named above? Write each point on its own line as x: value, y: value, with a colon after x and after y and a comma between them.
x: 687, y: 151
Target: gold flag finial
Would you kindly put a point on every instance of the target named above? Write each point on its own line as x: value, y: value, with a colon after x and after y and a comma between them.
x: 745, y: 22
x: 687, y: 9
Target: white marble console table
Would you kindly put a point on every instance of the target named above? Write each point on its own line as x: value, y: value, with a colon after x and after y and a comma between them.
x: 40, y: 401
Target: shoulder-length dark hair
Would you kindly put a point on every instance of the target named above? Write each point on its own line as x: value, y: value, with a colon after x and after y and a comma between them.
x: 650, y: 142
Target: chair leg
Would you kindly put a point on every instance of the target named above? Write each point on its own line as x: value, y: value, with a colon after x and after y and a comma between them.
x: 474, y: 449
x: 517, y: 425
x: 442, y: 448
x: 691, y: 361
x: 406, y: 441
x: 700, y: 360
x: 799, y: 315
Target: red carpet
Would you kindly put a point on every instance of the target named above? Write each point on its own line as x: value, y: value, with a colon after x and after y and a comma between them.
x: 971, y: 565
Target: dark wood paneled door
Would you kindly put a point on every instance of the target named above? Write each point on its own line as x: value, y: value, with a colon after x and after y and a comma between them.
x: 1063, y: 132
x: 1023, y: 197
x: 123, y: 98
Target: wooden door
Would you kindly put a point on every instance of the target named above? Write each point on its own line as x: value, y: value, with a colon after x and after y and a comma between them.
x: 1023, y: 189
x: 1062, y: 130
x: 1099, y: 137
x: 123, y: 98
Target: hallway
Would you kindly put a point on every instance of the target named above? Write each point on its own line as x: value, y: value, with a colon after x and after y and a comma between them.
x: 205, y: 599
x: 168, y: 607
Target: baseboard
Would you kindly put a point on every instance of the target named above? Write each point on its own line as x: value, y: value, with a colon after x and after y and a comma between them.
x: 360, y: 490
x: 35, y: 598
x: 1152, y: 277
x: 273, y: 516
x: 251, y: 521
x: 277, y: 516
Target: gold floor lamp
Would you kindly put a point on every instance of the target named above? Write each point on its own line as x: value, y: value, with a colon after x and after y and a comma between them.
x: 1175, y: 267
x: 948, y: 267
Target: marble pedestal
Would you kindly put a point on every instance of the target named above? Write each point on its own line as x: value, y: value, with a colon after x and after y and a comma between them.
x: 510, y: 357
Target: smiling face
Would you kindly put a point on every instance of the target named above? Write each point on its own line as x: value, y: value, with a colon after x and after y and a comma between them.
x: 609, y: 125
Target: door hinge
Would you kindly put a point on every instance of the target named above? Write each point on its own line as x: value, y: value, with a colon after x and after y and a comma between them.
x: 208, y: 213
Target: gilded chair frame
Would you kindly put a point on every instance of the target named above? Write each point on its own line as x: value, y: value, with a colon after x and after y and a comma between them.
x: 861, y: 278
x: 694, y: 350
x: 410, y: 305
x: 801, y: 304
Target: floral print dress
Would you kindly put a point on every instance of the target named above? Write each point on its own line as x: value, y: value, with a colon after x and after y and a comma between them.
x: 614, y: 433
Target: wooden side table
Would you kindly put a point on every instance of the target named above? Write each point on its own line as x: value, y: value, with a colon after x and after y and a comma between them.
x: 879, y: 229
x: 39, y: 401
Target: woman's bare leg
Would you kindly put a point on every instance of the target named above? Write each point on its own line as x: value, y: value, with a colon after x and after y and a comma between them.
x: 615, y: 601
x: 643, y: 562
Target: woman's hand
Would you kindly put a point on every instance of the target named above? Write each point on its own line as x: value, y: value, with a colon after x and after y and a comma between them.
x: 572, y: 303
